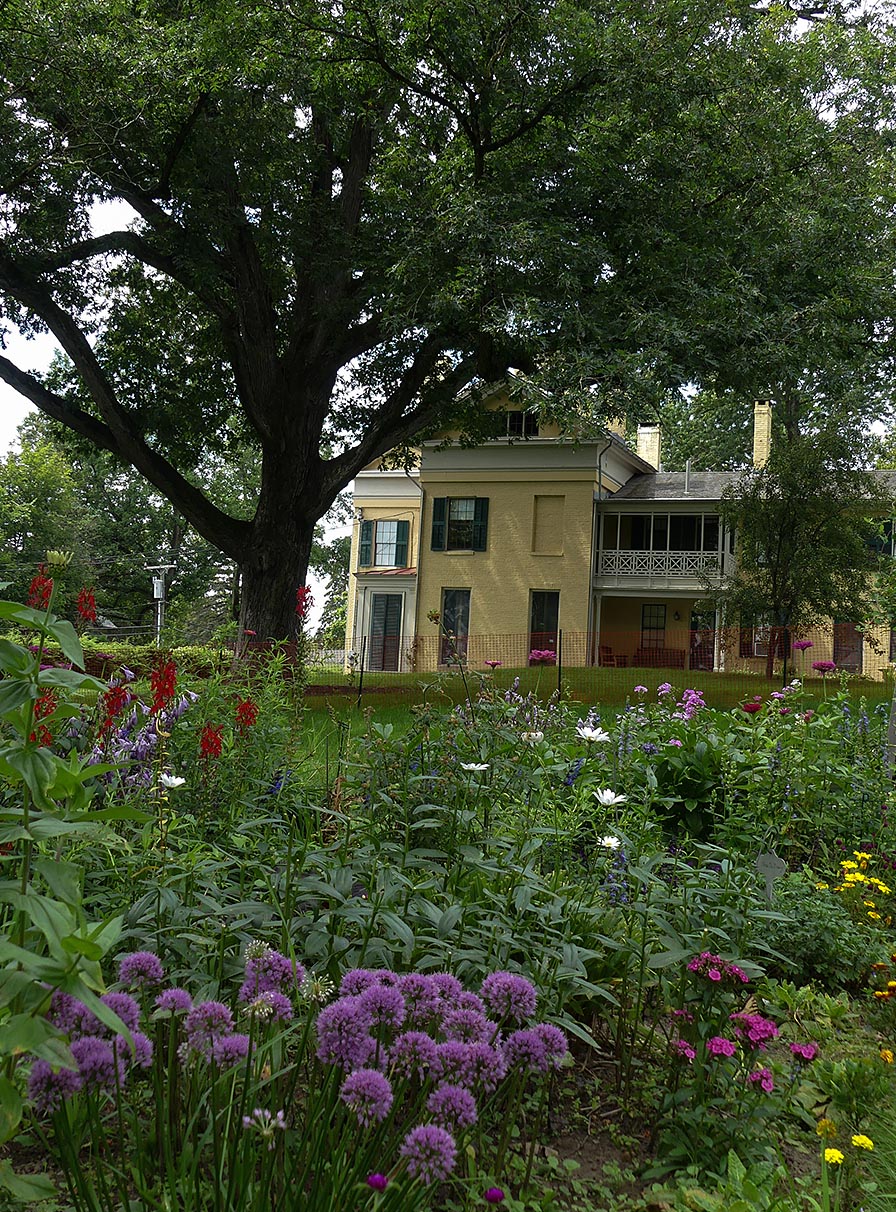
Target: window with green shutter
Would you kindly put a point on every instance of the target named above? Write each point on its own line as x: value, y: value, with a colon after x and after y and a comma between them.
x: 384, y: 543
x: 459, y: 523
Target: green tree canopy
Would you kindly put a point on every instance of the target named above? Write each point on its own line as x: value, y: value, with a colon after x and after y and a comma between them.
x: 805, y: 526
x: 345, y: 215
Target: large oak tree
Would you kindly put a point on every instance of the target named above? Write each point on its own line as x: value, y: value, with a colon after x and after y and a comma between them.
x: 345, y: 214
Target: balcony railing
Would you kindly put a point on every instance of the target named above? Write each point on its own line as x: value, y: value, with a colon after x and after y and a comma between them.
x: 657, y: 563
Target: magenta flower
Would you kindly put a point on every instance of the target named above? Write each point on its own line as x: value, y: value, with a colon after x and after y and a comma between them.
x: 805, y: 1052
x: 493, y: 664
x: 802, y: 645
x: 754, y: 1028
x: 718, y: 1045
x: 714, y: 974
x: 683, y: 1048
x: 764, y: 1078
x: 542, y: 656
x: 494, y: 1195
x: 378, y: 1182
x: 824, y: 667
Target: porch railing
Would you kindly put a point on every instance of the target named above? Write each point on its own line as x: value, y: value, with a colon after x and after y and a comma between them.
x: 657, y: 563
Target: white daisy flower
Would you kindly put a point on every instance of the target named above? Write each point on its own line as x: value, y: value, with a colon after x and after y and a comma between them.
x: 610, y: 842
x: 170, y: 781
x: 474, y: 767
x: 592, y: 734
x: 532, y: 738
x: 608, y: 798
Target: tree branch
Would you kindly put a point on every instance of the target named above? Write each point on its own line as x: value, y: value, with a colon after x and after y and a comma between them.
x: 116, y: 432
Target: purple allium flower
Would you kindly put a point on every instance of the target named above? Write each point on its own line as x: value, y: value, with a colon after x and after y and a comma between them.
x: 469, y: 1001
x: 421, y: 997
x: 452, y: 1107
x: 98, y: 1066
x: 447, y: 985
x: 431, y: 1153
x: 764, y: 1078
x: 554, y: 1040
x: 378, y: 1182
x: 140, y: 968
x: 369, y: 1094
x: 229, y: 1050
x: 468, y: 1027
x: 385, y: 1006
x: 67, y: 1013
x: 266, y: 1123
x: 526, y: 1050
x: 141, y: 1055
x: 451, y: 1061
x: 509, y: 996
x: 683, y: 1048
x: 125, y: 1007
x: 412, y: 1054
x: 271, y: 1006
x: 269, y: 972
x: 718, y: 1045
x: 358, y: 979
x: 484, y: 1067
x: 805, y: 1052
x: 47, y: 1090
x: 205, y: 1023
x: 343, y: 1033
x: 176, y: 1001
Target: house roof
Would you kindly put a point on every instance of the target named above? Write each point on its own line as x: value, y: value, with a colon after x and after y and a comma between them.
x: 669, y: 486
x: 387, y: 572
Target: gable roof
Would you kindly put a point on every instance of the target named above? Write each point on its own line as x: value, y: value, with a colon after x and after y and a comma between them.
x: 669, y: 486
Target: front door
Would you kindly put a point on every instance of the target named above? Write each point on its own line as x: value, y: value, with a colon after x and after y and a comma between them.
x: 848, y: 647
x: 543, y: 620
x: 703, y: 639
x: 385, y: 631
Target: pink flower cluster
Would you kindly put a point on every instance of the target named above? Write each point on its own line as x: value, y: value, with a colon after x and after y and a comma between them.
x: 754, y: 1029
x: 715, y: 969
x: 691, y: 702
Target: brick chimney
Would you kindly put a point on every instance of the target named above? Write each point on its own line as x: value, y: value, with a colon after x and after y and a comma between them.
x: 762, y: 432
x: 649, y: 444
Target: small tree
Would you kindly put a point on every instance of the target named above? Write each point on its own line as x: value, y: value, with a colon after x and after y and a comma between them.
x: 804, y: 526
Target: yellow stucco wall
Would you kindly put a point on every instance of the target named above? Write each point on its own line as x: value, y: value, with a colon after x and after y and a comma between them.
x: 388, y: 509
x: 620, y: 623
x: 501, y: 578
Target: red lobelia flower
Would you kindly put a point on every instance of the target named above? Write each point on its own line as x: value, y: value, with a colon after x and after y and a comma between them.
x: 163, y: 683
x: 210, y: 741
x: 40, y: 589
x: 246, y: 714
x: 113, y: 702
x: 44, y: 705
x: 304, y: 602
x: 87, y: 605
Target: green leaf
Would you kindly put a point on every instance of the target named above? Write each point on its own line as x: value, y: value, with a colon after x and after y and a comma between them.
x: 63, y: 880
x: 10, y: 1110
x: 67, y: 638
x: 26, y: 1188
x: 13, y: 693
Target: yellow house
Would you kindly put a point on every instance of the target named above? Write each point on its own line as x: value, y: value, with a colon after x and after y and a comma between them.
x: 535, y: 542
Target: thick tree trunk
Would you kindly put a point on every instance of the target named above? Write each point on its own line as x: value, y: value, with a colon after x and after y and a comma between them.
x: 272, y: 571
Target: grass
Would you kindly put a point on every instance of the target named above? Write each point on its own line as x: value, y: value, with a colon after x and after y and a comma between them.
x: 609, y: 688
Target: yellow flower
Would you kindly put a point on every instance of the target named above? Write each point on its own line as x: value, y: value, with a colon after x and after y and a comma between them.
x: 861, y: 854
x: 826, y: 1128
x: 881, y: 993
x: 856, y: 877
x: 863, y: 1142
x: 875, y: 916
x: 849, y: 865
x: 869, y: 904
x: 822, y: 886
x: 833, y: 1157
x: 886, y: 1055
x: 882, y: 888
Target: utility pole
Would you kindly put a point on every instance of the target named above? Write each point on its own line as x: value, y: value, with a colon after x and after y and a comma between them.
x: 158, y: 594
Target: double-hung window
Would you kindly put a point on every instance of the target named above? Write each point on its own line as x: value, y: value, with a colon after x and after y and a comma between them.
x: 459, y: 523
x: 384, y: 544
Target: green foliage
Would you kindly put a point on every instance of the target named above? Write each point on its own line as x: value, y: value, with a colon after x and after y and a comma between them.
x: 818, y: 940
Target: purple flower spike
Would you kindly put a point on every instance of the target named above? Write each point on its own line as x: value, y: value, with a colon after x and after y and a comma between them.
x: 431, y: 1153
x: 140, y: 968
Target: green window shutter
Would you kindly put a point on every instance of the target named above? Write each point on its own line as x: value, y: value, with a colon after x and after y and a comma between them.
x: 365, y: 547
x: 439, y: 523
x: 480, y: 524
x: 402, y: 534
